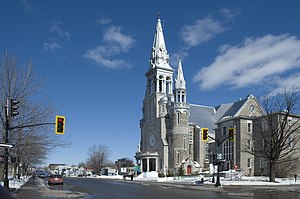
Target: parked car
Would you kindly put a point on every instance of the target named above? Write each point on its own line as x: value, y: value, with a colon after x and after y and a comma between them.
x: 55, y: 179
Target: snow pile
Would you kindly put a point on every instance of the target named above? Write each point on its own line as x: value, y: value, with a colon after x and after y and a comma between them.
x: 148, y: 176
x: 18, y: 183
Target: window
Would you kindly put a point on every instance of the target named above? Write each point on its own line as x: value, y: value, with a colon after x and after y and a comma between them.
x: 249, y: 162
x: 191, y: 137
x: 178, y: 118
x: 160, y: 85
x: 184, y: 140
x: 178, y: 159
x: 289, y: 122
x: 249, y: 126
x: 249, y: 144
x: 169, y: 89
x: 224, y: 130
x: 228, y: 150
x: 262, y: 163
x: 264, y: 125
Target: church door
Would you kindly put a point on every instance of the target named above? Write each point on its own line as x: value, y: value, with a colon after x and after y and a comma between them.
x: 189, y: 170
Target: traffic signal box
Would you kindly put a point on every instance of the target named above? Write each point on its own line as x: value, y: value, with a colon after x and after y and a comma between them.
x: 231, y: 134
x: 13, y: 107
x: 204, y: 134
x: 60, y: 122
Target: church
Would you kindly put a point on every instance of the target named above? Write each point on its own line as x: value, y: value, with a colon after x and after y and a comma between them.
x: 171, y: 128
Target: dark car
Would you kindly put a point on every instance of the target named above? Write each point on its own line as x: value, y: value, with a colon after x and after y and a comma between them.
x: 41, y: 174
x: 55, y: 180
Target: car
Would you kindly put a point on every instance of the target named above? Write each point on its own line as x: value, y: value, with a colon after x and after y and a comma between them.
x: 41, y: 174
x: 55, y: 180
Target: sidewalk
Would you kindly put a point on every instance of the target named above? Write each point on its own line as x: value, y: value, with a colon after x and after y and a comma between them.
x: 28, y: 190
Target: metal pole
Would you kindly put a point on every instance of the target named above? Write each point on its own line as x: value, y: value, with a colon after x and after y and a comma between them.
x: 218, y: 163
x: 6, y: 181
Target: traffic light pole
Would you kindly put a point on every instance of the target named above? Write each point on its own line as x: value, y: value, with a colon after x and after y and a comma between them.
x: 6, y: 181
x: 7, y: 128
x: 218, y: 183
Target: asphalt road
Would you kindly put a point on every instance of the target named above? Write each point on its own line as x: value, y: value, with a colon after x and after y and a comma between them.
x: 92, y: 188
x: 109, y: 189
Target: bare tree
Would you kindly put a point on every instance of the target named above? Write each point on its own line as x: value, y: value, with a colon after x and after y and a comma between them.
x: 32, y: 143
x: 98, y: 157
x: 276, y: 134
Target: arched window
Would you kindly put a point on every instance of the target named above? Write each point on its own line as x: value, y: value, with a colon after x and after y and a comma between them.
x: 168, y: 86
x: 178, y: 96
x: 160, y: 85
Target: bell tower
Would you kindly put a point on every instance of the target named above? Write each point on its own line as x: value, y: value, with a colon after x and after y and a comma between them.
x: 159, y: 90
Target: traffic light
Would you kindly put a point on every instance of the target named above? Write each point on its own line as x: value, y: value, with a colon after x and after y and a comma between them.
x: 60, y: 124
x: 205, y: 134
x: 231, y: 134
x: 14, y: 107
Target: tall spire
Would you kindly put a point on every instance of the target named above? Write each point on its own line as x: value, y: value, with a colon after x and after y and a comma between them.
x: 159, y: 54
x: 179, y: 81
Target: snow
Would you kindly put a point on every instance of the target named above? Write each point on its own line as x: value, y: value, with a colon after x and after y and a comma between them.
x: 153, y: 176
x: 17, y: 183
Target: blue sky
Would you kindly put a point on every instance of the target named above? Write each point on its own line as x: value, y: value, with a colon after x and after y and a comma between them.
x: 94, y: 55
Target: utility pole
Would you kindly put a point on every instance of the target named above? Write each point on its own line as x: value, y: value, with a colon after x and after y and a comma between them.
x: 6, y: 181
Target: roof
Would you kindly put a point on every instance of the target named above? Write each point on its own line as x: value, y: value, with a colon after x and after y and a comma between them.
x: 235, y: 108
x: 202, y: 116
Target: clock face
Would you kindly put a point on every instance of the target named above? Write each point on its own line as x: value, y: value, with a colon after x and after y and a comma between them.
x: 152, y: 140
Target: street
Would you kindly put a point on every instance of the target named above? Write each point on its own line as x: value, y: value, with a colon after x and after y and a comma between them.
x: 110, y: 189
x: 94, y: 188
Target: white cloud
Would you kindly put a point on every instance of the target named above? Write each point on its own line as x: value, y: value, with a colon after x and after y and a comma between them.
x: 114, y: 43
x: 201, y: 31
x: 57, y: 37
x: 56, y: 30
x: 205, y: 29
x: 51, y: 46
x: 256, y: 61
x: 103, y: 21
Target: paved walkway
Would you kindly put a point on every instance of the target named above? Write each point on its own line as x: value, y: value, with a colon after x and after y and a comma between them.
x: 28, y: 190
x: 36, y: 189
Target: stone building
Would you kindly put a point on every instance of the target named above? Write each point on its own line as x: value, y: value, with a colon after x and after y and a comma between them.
x: 170, y: 126
x: 239, y: 117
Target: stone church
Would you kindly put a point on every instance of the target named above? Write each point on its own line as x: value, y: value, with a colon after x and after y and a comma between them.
x: 170, y: 127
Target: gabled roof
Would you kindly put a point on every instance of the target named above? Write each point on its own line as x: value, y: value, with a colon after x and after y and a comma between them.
x: 202, y: 116
x: 236, y: 106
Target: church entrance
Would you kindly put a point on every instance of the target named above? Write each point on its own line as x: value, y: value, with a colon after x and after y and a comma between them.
x: 189, y: 170
x: 148, y: 164
x: 144, y: 165
x: 152, y: 164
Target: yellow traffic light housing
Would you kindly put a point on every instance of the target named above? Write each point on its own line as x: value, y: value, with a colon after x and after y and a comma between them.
x: 231, y: 134
x: 60, y: 122
x: 204, y: 134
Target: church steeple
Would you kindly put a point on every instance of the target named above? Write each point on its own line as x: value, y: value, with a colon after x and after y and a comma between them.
x: 179, y: 81
x: 179, y: 87
x: 159, y: 54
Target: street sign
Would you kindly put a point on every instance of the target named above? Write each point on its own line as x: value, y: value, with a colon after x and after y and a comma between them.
x: 5, y: 145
